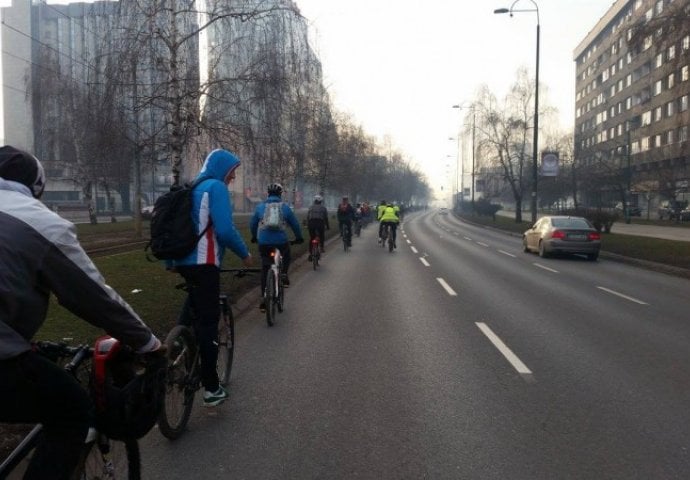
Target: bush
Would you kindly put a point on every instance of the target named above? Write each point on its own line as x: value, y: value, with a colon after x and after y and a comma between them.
x: 484, y: 207
x: 602, y: 220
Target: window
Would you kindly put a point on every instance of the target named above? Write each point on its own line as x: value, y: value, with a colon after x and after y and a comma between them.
x: 671, y: 52
x: 644, y: 144
x: 612, y: 90
x: 646, y: 118
x: 613, y: 69
x: 657, y: 87
x: 612, y: 112
x: 628, y: 103
x: 620, y: 63
x: 604, y: 75
x: 619, y: 129
x: 612, y: 132
x: 669, y: 137
x: 683, y: 103
x: 657, y: 140
x: 635, y: 147
x: 684, y: 73
x: 658, y: 60
x: 628, y: 57
x: 657, y: 114
x: 670, y: 81
x: 685, y: 43
x: 659, y: 7
x: 683, y: 133
x: 628, y: 80
x: 647, y: 42
x: 669, y: 109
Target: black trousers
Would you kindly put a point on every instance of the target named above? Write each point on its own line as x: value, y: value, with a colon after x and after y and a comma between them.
x: 35, y: 390
x: 267, y: 260
x: 394, y: 228
x: 202, y: 300
x: 317, y: 227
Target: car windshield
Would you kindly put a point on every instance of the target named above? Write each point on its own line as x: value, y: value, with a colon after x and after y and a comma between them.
x: 570, y: 223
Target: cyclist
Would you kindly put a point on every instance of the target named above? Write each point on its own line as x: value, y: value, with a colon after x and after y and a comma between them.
x: 270, y: 238
x: 40, y: 255
x: 346, y: 215
x: 211, y: 204
x: 389, y: 216
x: 379, y: 211
x: 317, y: 221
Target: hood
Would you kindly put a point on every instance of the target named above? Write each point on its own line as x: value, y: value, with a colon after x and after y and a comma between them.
x: 217, y: 165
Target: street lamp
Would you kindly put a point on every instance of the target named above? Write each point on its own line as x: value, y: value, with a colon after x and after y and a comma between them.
x: 535, y: 148
x: 471, y: 106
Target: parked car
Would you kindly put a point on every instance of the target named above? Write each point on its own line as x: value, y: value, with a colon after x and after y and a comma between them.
x: 685, y: 214
x: 633, y: 210
x: 562, y: 234
x: 147, y: 212
x: 672, y: 209
x: 443, y: 211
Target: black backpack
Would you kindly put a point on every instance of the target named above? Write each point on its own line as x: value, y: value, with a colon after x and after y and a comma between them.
x: 173, y: 233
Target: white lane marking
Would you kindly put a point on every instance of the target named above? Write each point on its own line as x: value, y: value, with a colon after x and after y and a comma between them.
x: 424, y: 262
x: 467, y: 238
x: 414, y: 250
x: 447, y: 287
x: 409, y: 241
x: 506, y: 253
x: 503, y: 348
x: 482, y: 244
x: 545, y: 268
x: 613, y: 292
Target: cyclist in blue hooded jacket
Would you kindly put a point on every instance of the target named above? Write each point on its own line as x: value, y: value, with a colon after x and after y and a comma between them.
x: 269, y: 237
x: 212, y: 214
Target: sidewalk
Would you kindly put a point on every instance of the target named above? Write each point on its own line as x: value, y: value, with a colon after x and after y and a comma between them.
x: 680, y: 234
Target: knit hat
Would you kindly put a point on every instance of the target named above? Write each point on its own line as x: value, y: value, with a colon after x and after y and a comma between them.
x: 22, y: 167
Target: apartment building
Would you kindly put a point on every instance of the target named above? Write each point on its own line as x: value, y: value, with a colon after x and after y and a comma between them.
x: 631, y: 105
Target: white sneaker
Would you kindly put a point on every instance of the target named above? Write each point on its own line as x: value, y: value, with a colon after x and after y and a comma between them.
x: 211, y: 399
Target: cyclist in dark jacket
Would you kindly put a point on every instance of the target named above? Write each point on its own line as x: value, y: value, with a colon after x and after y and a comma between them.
x: 346, y: 215
x: 40, y: 255
x: 317, y: 220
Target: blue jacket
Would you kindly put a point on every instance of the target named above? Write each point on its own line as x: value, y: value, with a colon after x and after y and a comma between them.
x: 212, y: 203
x: 274, y: 237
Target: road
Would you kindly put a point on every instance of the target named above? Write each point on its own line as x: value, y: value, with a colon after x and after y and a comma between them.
x: 457, y: 356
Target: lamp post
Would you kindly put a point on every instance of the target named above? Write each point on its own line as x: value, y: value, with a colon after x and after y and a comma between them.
x: 535, y: 148
x: 471, y: 106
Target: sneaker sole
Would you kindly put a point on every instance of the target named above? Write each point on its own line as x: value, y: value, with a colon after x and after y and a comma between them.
x: 214, y: 403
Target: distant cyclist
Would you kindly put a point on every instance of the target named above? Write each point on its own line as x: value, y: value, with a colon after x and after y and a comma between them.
x: 379, y: 211
x: 317, y: 221
x: 272, y: 236
x: 390, y: 217
x: 346, y: 215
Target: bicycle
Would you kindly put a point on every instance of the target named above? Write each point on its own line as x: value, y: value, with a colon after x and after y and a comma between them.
x: 315, y: 251
x: 184, y: 361
x: 387, y: 236
x: 103, y: 457
x: 347, y: 237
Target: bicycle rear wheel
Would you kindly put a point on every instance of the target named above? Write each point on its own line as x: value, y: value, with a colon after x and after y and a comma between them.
x: 226, y: 341
x: 110, y: 459
x: 280, y: 299
x: 179, y: 390
x: 390, y: 243
x: 270, y: 298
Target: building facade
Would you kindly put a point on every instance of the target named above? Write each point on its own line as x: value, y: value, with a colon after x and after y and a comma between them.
x: 631, y: 106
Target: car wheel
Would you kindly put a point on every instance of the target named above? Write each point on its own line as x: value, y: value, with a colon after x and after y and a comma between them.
x: 542, y: 250
x: 525, y: 248
x: 592, y: 257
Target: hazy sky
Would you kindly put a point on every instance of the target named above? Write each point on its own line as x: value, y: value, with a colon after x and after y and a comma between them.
x: 398, y: 66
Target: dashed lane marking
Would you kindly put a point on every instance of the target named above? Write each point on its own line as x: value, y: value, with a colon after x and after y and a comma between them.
x: 545, y: 268
x: 613, y: 292
x: 503, y: 348
x: 447, y: 288
x: 414, y: 250
x: 424, y: 262
x: 506, y: 253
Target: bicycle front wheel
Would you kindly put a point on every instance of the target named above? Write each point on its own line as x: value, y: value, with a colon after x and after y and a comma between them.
x: 270, y: 298
x: 179, y: 390
x: 226, y: 342
x: 111, y: 459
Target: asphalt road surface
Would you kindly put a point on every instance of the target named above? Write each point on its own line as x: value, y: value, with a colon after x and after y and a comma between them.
x: 457, y: 356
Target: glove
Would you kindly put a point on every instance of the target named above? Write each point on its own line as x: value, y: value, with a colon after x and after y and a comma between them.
x: 299, y: 240
x: 253, y: 240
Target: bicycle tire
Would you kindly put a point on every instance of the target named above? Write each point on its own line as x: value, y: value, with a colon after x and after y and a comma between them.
x: 226, y: 341
x: 269, y: 298
x: 390, y: 243
x: 280, y: 299
x: 179, y: 390
x: 112, y: 459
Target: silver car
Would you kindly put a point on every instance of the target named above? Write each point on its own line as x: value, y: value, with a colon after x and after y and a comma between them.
x: 562, y: 234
